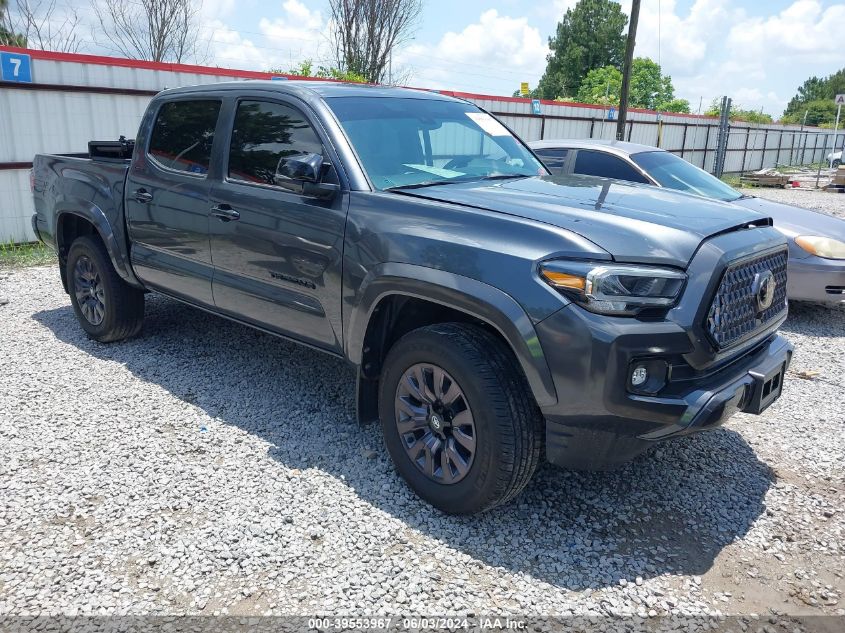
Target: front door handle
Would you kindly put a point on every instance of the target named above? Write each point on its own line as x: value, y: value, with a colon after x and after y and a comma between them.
x: 225, y: 213
x: 143, y: 196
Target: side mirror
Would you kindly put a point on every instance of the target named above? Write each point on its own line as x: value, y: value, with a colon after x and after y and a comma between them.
x: 302, y: 174
x: 302, y: 167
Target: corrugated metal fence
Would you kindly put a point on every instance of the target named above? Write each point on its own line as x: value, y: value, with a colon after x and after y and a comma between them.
x: 750, y: 146
x: 72, y: 99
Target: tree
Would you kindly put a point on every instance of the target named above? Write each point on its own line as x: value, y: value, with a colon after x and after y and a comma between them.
x: 366, y: 33
x: 815, y: 98
x: 41, y: 24
x: 154, y: 30
x: 590, y: 36
x: 821, y: 112
x: 738, y: 113
x: 8, y: 36
x: 650, y: 89
x: 306, y: 69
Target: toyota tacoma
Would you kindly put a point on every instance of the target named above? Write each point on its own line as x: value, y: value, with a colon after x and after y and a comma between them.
x: 494, y: 313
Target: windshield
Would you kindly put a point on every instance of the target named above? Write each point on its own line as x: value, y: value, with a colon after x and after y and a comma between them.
x: 412, y: 142
x: 674, y: 172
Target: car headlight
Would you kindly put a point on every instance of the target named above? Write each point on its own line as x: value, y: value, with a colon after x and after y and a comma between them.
x: 614, y: 289
x: 826, y: 247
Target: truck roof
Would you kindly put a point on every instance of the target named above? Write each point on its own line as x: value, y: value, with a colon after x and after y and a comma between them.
x: 320, y: 89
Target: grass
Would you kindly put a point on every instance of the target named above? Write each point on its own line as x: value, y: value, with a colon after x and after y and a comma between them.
x: 731, y: 179
x: 24, y: 255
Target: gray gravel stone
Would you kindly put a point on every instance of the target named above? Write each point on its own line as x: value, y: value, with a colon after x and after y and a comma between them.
x: 114, y: 500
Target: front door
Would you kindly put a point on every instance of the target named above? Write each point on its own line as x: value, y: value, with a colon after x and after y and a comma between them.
x: 167, y: 200
x: 276, y: 253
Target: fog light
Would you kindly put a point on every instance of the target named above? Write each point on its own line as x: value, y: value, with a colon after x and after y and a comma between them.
x: 639, y: 375
x: 647, y: 376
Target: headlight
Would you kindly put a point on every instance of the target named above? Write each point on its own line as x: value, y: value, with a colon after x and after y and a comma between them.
x: 612, y: 289
x: 826, y: 247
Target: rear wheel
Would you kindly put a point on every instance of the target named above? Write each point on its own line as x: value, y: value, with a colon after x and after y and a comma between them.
x: 837, y: 163
x: 108, y: 308
x: 458, y: 418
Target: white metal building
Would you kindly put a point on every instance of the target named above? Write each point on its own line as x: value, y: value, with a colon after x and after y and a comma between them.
x: 56, y: 102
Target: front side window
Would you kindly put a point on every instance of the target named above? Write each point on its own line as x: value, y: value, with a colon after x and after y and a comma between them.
x: 591, y: 163
x: 554, y: 158
x: 183, y: 134
x: 405, y: 142
x: 264, y: 135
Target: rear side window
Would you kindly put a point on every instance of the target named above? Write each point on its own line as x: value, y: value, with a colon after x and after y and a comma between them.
x: 592, y: 163
x: 183, y: 134
x: 554, y: 158
x: 265, y: 133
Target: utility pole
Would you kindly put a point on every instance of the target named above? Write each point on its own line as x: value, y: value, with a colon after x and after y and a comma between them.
x: 626, y: 69
x: 835, y: 130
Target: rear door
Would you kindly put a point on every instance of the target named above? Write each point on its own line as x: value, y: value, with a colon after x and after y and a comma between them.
x: 166, y: 195
x: 276, y: 253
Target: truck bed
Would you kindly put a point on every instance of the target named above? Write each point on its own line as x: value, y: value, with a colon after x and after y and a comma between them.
x: 66, y: 186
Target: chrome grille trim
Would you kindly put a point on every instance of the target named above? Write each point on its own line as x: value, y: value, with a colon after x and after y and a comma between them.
x: 734, y: 314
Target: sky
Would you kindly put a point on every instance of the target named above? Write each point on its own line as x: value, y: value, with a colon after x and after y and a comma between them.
x: 756, y: 51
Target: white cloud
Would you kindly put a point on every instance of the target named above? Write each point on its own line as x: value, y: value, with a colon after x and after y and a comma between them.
x: 684, y: 42
x: 709, y: 47
x: 804, y: 30
x: 497, y: 50
x: 299, y: 34
x: 216, y: 9
x: 230, y: 49
x: 717, y: 48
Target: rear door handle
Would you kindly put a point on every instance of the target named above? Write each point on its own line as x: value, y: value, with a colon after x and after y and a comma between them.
x: 143, y: 196
x: 225, y: 213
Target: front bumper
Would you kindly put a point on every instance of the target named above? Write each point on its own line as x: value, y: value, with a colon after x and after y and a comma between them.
x: 598, y: 423
x: 816, y: 279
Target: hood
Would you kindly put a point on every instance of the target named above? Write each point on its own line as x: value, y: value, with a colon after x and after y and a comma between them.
x: 794, y: 221
x: 634, y: 223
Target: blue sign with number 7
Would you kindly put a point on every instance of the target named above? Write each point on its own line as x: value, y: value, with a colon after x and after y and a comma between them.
x: 15, y: 67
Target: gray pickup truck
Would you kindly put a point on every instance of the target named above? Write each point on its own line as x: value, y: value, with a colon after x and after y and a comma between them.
x: 494, y: 313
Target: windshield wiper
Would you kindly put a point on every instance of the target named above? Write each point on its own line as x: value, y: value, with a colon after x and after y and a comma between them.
x: 452, y: 181
x: 507, y: 176
x: 424, y: 183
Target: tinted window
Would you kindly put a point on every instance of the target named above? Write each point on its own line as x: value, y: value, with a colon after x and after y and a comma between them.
x: 592, y: 163
x: 675, y: 173
x: 183, y: 134
x: 264, y: 133
x: 409, y: 141
x: 554, y: 158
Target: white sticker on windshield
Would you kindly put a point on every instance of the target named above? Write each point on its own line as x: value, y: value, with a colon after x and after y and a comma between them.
x: 488, y: 124
x: 437, y: 171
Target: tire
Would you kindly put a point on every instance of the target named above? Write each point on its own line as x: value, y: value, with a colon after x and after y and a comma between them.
x: 507, y: 427
x: 837, y: 163
x: 108, y: 308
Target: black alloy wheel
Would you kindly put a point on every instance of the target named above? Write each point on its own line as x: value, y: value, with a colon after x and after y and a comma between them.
x: 88, y: 287
x: 435, y: 423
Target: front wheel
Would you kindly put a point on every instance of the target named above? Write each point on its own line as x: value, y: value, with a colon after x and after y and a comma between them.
x: 107, y: 308
x: 458, y: 418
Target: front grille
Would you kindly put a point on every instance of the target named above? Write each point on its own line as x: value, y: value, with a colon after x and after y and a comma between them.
x: 735, y: 314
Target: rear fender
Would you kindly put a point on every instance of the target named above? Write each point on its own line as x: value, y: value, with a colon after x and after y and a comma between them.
x: 117, y: 250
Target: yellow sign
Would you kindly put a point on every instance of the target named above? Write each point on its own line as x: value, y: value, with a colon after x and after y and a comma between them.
x: 523, y: 89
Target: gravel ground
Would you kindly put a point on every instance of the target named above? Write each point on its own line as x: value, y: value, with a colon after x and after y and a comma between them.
x: 207, y: 468
x: 830, y: 203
